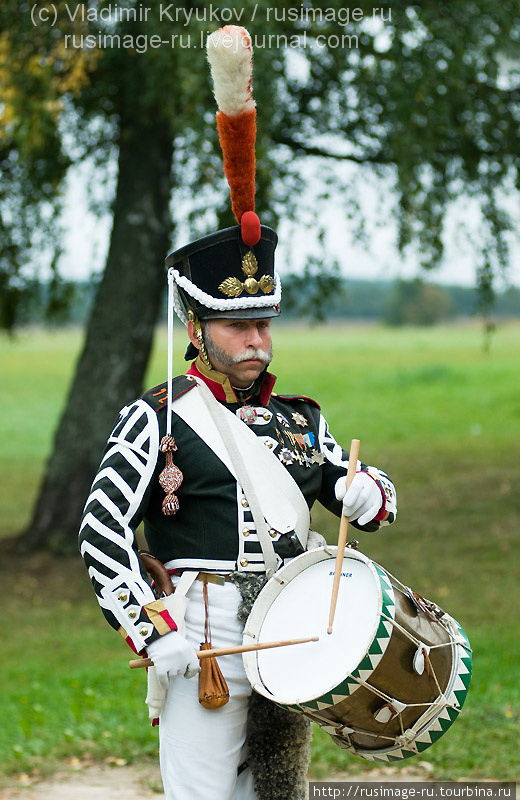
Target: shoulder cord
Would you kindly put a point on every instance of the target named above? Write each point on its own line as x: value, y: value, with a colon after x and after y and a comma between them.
x: 218, y: 415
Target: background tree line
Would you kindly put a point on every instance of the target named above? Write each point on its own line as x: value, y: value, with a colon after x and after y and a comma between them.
x: 401, y: 302
x: 427, y: 101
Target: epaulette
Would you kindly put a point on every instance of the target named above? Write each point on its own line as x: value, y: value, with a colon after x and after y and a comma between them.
x: 300, y: 397
x: 158, y: 396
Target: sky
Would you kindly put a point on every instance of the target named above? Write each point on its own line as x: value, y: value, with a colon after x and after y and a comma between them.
x: 377, y: 258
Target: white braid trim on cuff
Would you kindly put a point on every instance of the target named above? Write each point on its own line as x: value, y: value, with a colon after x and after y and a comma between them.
x: 231, y: 303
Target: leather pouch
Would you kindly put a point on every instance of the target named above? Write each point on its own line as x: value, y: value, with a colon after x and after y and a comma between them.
x: 213, y: 689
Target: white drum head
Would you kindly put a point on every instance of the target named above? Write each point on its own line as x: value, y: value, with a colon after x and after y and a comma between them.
x: 300, y: 609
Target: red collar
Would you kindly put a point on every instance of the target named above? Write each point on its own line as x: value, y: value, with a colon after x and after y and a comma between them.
x: 220, y: 385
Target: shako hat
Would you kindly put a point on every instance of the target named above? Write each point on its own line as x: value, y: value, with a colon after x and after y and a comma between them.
x: 230, y: 273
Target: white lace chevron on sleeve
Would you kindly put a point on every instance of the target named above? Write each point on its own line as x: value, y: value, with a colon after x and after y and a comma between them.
x: 332, y: 451
x: 111, y: 514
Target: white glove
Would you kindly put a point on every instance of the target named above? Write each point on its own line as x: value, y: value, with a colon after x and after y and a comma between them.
x: 155, y: 694
x: 363, y: 499
x: 173, y: 655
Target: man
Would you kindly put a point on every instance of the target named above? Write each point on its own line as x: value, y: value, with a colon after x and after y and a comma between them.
x: 217, y: 513
x: 213, y: 531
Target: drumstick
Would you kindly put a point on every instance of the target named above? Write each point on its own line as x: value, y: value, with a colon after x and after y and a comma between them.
x: 227, y: 651
x: 343, y: 528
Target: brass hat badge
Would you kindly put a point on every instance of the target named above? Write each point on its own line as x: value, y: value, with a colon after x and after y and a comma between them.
x: 233, y: 287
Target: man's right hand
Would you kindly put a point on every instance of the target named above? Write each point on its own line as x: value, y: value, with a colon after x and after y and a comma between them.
x: 173, y: 655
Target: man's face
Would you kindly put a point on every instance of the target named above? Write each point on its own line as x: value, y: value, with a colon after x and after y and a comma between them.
x: 239, y: 348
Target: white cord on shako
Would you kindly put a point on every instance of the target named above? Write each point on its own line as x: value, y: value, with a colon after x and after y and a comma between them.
x: 229, y: 304
x: 177, y: 302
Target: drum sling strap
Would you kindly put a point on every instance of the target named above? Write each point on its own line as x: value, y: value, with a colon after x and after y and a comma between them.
x: 226, y: 424
x: 278, y: 739
x: 218, y: 415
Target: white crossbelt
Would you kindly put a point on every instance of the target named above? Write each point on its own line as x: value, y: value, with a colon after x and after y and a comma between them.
x: 271, y: 559
x: 273, y: 495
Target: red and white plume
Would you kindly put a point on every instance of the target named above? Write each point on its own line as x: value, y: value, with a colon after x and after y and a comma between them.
x: 230, y: 56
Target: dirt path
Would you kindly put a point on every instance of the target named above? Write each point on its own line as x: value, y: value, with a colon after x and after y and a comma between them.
x: 138, y: 782
x: 96, y: 782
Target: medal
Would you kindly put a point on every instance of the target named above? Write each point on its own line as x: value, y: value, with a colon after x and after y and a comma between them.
x: 254, y: 416
x: 247, y: 414
x: 300, y: 419
x: 300, y: 441
x: 286, y: 456
x: 317, y: 457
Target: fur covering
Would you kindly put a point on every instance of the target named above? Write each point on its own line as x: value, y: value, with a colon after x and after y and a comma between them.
x: 237, y: 136
x: 230, y: 58
x: 278, y: 739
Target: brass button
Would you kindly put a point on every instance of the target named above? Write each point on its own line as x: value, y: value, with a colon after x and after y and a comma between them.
x: 269, y: 445
x: 144, y: 632
x: 245, y: 503
x: 272, y: 532
x: 245, y: 532
x: 132, y: 614
x: 244, y: 562
x: 267, y: 415
x: 122, y: 596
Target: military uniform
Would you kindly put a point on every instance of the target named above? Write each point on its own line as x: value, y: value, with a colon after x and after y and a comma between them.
x: 213, y: 529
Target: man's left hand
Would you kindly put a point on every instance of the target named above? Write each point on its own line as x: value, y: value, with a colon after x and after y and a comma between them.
x: 362, y: 501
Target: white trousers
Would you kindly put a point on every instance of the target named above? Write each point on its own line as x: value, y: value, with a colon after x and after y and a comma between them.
x: 201, y: 749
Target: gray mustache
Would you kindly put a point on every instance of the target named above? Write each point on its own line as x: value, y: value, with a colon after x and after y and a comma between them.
x: 253, y: 353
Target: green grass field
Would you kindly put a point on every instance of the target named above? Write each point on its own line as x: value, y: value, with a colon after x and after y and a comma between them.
x: 428, y: 405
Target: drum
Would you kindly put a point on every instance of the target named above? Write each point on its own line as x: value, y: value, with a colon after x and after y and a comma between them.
x: 391, y: 677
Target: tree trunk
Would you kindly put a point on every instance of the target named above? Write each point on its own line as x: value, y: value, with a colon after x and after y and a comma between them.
x: 119, y: 335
